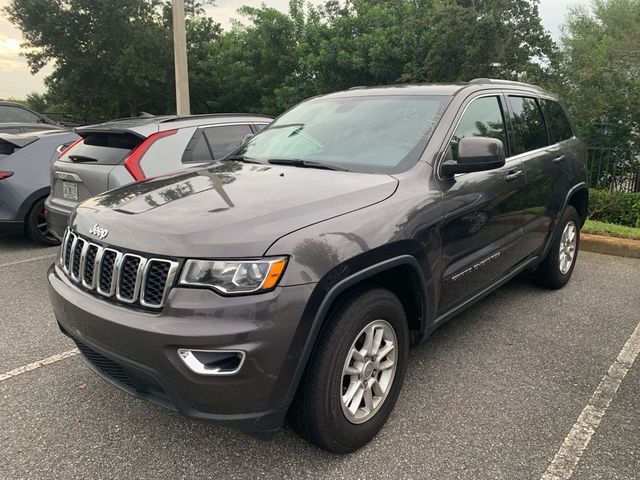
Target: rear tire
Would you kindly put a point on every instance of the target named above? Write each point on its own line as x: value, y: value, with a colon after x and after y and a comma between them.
x: 555, y: 270
x: 351, y: 384
x: 36, y: 225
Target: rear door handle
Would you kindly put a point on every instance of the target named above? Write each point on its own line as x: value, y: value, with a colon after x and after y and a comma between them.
x: 514, y: 175
x: 560, y: 158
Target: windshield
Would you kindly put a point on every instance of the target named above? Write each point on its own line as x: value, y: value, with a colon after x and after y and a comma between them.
x: 370, y: 134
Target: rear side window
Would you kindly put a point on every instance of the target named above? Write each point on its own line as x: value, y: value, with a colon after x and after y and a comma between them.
x: 102, y: 148
x: 483, y: 118
x: 17, y: 114
x: 197, y: 149
x: 226, y: 138
x: 557, y: 123
x: 528, y: 125
x: 214, y: 143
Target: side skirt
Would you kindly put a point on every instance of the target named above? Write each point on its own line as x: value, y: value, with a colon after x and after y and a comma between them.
x: 483, y: 293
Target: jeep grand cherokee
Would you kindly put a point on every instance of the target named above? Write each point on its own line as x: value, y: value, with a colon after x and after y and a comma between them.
x: 292, y: 277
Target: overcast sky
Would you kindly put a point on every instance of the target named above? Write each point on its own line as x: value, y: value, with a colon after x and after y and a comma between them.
x: 16, y: 79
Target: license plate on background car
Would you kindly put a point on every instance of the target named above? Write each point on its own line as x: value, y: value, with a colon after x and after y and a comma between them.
x: 70, y: 190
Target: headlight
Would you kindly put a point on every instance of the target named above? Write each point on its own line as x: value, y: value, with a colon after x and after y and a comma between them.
x: 234, y: 276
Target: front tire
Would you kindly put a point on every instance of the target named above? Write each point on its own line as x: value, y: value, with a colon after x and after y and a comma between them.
x: 555, y: 270
x: 355, y: 373
x: 36, y: 225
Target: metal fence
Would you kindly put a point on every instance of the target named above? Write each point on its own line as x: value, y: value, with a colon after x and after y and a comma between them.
x: 614, y: 169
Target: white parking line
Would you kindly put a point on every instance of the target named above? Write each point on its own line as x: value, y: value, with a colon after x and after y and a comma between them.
x: 561, y: 468
x: 34, y: 259
x: 38, y: 364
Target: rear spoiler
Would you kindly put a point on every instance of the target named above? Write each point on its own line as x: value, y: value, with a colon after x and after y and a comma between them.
x: 84, y: 131
x: 19, y: 141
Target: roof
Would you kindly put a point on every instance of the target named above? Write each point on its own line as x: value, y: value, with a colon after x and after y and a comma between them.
x: 146, y: 125
x: 408, y: 89
x: 443, y: 89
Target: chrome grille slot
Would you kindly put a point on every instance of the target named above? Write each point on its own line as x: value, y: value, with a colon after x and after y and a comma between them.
x: 125, y: 277
x: 158, y: 278
x: 129, y: 277
x: 67, y: 249
x: 90, y: 265
x: 106, y: 282
x: 76, y: 257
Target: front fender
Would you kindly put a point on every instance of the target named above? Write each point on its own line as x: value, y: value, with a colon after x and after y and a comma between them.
x: 325, y: 293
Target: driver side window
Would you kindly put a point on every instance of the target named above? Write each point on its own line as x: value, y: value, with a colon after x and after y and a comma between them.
x: 483, y: 118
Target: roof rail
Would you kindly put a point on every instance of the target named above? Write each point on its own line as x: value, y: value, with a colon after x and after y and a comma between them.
x: 497, y: 81
x: 213, y: 115
x: 357, y: 87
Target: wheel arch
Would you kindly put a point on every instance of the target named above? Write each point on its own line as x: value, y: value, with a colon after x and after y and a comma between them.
x: 395, y: 274
x: 31, y: 200
x: 579, y: 199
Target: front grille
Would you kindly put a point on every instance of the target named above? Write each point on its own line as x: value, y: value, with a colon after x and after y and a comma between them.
x: 125, y: 277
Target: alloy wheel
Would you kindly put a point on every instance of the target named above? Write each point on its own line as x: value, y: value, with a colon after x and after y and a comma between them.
x: 369, y: 371
x: 568, y: 244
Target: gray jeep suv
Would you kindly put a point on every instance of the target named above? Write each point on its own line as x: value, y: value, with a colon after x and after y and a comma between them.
x: 116, y: 153
x: 293, y: 276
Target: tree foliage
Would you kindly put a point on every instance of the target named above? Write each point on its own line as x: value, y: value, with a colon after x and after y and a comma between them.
x: 600, y: 71
x: 114, y: 57
x: 111, y: 57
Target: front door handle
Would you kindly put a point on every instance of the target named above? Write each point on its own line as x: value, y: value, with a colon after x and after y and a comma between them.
x: 560, y: 159
x: 514, y: 175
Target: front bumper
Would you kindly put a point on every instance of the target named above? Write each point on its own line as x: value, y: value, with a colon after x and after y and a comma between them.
x: 137, y: 350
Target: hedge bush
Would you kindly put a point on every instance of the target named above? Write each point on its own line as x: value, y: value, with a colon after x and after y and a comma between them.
x: 615, y: 207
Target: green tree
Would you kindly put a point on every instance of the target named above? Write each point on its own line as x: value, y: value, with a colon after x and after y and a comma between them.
x: 111, y: 57
x: 249, y: 63
x: 465, y: 39
x: 599, y: 74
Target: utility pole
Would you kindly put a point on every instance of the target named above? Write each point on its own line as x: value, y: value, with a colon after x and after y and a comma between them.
x: 180, y: 56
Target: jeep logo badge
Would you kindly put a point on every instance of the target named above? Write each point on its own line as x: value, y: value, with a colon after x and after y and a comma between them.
x: 99, y: 231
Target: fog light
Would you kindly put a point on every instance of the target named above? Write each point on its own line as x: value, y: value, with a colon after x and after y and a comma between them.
x: 212, y: 362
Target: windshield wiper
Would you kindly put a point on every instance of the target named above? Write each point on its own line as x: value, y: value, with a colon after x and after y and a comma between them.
x: 296, y: 162
x: 81, y: 159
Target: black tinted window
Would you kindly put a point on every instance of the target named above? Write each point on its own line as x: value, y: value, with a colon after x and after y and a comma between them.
x: 102, y: 148
x: 528, y: 125
x: 17, y: 114
x: 557, y: 123
x: 483, y: 118
x: 197, y: 149
x: 225, y: 139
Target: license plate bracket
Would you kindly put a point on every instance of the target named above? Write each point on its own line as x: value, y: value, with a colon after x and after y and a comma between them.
x: 70, y: 190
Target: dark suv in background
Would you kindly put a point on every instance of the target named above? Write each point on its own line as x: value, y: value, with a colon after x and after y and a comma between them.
x: 16, y: 118
x: 292, y: 277
x: 116, y: 153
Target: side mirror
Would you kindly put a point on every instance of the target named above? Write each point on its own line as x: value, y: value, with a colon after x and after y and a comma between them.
x: 476, y: 154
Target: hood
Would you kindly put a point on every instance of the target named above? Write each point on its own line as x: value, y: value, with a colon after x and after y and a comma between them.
x: 231, y: 209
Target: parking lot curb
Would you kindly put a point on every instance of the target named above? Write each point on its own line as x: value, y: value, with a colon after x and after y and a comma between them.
x: 621, y: 247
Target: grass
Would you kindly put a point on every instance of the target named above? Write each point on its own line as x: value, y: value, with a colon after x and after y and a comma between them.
x: 611, y: 230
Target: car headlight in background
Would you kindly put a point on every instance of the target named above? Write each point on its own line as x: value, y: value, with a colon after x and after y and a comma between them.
x: 234, y: 276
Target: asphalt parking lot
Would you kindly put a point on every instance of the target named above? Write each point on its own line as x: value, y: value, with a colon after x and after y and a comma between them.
x: 491, y: 395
